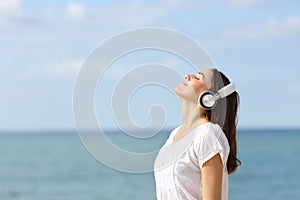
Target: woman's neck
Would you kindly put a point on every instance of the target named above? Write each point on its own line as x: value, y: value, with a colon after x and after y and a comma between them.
x: 192, y: 116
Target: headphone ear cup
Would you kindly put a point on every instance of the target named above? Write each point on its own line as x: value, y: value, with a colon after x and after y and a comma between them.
x: 207, y: 100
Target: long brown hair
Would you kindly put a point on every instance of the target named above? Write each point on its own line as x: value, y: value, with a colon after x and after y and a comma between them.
x: 225, y: 114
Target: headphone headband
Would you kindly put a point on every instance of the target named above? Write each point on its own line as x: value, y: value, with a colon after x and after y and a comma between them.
x: 227, y: 90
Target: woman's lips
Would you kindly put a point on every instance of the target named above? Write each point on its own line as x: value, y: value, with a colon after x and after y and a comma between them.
x: 184, y: 83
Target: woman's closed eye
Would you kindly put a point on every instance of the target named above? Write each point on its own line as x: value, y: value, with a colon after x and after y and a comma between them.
x: 197, y: 76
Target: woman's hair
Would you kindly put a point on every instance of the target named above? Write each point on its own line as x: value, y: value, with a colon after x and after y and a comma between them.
x: 225, y: 114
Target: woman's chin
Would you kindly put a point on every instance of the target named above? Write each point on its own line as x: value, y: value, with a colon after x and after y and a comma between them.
x: 186, y: 94
x: 175, y: 89
x: 178, y: 91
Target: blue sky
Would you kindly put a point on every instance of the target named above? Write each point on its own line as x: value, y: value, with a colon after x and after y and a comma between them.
x: 43, y: 44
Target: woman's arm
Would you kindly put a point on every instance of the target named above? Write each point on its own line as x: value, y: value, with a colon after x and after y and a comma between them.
x: 212, y: 173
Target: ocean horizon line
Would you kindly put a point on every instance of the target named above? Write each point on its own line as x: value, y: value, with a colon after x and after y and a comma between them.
x: 169, y: 129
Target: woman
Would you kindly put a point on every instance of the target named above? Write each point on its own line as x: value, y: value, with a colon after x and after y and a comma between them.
x: 195, y: 161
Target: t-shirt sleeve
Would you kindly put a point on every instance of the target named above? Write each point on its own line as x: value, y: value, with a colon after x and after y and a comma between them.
x: 209, y: 142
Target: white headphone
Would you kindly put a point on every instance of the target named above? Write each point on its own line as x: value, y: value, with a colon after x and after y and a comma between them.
x: 208, y: 99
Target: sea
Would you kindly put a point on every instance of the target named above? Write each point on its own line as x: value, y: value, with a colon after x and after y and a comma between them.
x: 57, y: 166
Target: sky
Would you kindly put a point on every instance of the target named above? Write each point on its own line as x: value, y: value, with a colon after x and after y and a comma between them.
x: 255, y: 43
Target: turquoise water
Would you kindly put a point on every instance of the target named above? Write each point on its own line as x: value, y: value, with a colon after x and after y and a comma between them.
x: 56, y: 166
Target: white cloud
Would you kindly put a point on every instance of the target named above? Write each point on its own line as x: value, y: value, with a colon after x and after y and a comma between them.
x: 137, y: 13
x: 118, y: 14
x: 67, y: 68
x: 133, y: 14
x: 128, y: 14
x: 272, y: 28
x: 238, y: 4
x: 76, y: 10
x: 10, y: 9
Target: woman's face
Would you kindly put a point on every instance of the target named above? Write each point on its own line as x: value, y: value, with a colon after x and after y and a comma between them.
x: 194, y: 85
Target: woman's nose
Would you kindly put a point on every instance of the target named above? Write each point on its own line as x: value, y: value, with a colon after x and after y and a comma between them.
x: 187, y: 77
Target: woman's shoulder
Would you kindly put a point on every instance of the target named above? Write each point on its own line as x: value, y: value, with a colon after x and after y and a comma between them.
x: 209, y: 127
x: 209, y: 131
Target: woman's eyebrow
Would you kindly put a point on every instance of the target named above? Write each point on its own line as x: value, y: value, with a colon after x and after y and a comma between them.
x: 201, y: 74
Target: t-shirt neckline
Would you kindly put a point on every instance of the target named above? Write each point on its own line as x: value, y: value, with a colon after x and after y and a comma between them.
x: 191, y: 132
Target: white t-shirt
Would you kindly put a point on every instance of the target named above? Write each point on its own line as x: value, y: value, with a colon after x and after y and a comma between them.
x: 177, y: 167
